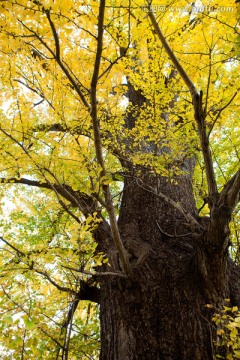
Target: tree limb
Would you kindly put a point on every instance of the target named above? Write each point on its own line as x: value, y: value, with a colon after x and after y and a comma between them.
x: 221, y: 214
x: 171, y: 54
x: 98, y: 144
x: 55, y: 35
x: 58, y: 127
x: 199, y: 112
x: 86, y: 292
x: 76, y: 198
x: 230, y: 195
x: 59, y: 287
x: 207, y: 155
x: 12, y: 246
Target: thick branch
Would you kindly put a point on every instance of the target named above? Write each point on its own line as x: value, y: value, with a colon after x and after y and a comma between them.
x: 221, y: 214
x: 230, y: 195
x: 93, y: 110
x: 84, y: 202
x: 56, y: 39
x: 199, y: 112
x: 207, y: 155
x: 77, y: 199
x: 57, y: 127
x: 171, y: 55
x: 86, y: 292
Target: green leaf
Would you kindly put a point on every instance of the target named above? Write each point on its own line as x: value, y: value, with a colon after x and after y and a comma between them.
x: 237, y: 354
x: 29, y: 324
x: 8, y: 319
x: 18, y: 341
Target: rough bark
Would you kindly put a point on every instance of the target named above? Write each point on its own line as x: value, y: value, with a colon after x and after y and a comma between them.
x: 160, y: 311
x: 179, y: 265
x: 179, y: 262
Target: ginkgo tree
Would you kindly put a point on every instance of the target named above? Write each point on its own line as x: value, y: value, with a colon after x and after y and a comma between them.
x: 119, y: 177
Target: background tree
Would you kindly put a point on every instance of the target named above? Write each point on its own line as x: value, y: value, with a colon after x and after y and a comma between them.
x: 120, y: 177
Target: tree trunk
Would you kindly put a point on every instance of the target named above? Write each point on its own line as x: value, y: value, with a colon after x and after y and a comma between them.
x: 160, y: 311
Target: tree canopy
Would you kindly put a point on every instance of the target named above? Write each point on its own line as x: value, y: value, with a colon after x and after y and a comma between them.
x: 70, y: 74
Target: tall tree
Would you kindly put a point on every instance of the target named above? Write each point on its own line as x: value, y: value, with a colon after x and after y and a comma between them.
x: 119, y: 176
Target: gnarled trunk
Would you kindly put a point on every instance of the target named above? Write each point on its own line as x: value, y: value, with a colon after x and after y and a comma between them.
x: 179, y: 260
x: 160, y: 311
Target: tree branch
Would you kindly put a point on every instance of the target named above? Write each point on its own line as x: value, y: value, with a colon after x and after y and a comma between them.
x: 19, y: 252
x: 221, y: 214
x: 57, y: 127
x: 77, y: 199
x: 220, y: 111
x: 95, y: 273
x: 60, y: 63
x: 200, y: 117
x: 26, y: 312
x: 86, y: 292
x: 230, y: 195
x: 199, y: 112
x: 59, y: 287
x: 98, y: 145
x: 21, y: 256
x: 84, y: 202
x: 36, y: 92
x: 190, y: 219
x: 171, y: 54
x: 169, y: 235
x: 55, y: 35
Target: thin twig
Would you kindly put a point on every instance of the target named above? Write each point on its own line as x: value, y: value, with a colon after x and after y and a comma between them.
x: 94, y: 273
x: 220, y: 111
x: 190, y: 219
x: 12, y: 246
x: 171, y: 236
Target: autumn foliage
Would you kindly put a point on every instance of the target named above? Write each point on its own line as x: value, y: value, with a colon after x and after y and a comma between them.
x: 69, y: 128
